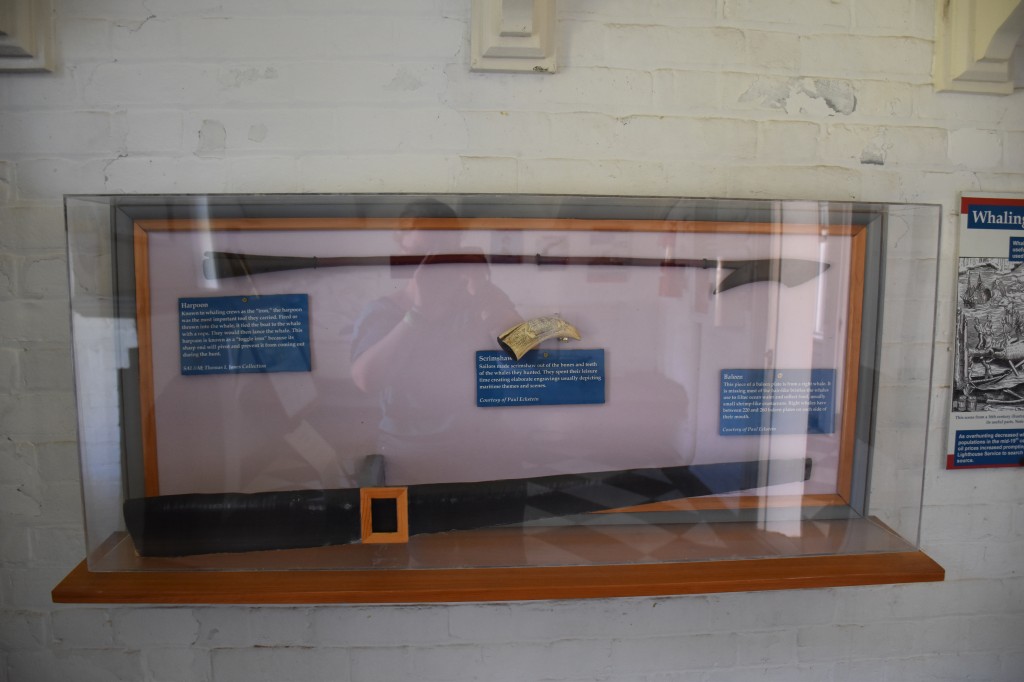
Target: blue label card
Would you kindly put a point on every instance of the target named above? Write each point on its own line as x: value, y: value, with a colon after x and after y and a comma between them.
x: 1005, y: 216
x: 989, y: 447
x: 760, y: 402
x: 1016, y: 249
x: 244, y: 334
x: 541, y: 377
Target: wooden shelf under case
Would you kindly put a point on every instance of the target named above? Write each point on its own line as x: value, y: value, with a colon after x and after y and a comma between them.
x: 868, y: 554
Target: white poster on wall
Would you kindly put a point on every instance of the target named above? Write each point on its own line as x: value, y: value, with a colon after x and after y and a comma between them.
x: 986, y: 425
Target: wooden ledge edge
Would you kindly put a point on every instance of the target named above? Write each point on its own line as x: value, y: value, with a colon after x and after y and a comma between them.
x: 83, y: 586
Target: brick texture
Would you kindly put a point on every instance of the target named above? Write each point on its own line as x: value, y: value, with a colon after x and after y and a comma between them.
x: 729, y: 98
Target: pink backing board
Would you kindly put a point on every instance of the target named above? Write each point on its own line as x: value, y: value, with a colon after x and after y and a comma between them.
x: 665, y: 334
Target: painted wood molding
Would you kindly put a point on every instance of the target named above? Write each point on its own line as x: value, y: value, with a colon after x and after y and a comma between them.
x: 975, y: 44
x: 27, y: 35
x: 513, y: 35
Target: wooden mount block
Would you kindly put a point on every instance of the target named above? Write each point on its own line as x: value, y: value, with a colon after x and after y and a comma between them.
x: 975, y: 43
x: 513, y: 36
x: 27, y: 35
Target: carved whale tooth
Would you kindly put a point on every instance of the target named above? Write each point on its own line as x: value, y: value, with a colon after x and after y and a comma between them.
x: 526, y: 336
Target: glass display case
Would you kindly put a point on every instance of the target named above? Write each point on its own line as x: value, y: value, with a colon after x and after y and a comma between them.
x: 450, y: 397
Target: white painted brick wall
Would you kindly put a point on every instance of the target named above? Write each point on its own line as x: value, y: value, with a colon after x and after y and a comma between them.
x: 727, y: 98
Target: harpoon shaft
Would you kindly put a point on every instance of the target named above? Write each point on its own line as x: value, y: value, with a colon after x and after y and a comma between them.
x: 787, y: 271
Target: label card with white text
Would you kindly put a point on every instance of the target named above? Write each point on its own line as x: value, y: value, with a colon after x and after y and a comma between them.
x: 244, y: 334
x: 541, y: 377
